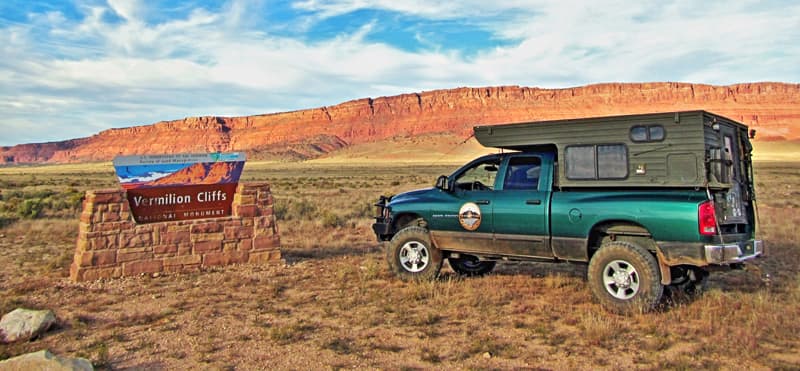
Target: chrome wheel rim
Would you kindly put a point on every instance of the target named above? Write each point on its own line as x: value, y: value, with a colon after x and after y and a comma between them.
x: 414, y: 256
x: 621, y: 279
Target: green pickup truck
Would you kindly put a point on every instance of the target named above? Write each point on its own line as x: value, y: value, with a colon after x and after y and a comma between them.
x: 648, y: 201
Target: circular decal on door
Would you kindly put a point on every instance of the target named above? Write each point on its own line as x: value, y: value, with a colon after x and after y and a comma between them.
x: 470, y: 216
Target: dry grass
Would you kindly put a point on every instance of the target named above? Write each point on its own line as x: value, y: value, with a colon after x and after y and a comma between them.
x: 335, y: 305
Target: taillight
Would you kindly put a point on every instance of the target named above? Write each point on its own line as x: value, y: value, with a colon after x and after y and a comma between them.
x: 707, y: 219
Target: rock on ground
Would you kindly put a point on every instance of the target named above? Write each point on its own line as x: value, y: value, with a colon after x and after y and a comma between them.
x: 44, y: 360
x: 25, y: 324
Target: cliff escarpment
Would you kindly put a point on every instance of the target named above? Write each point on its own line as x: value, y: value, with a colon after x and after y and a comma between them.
x: 773, y: 109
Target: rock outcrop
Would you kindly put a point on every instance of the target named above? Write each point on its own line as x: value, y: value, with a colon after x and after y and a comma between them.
x: 771, y: 108
x: 25, y: 324
x: 44, y: 360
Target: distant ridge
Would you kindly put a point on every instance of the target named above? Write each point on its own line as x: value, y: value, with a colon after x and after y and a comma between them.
x: 771, y: 108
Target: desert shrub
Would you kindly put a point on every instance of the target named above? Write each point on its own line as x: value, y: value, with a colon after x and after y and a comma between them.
x: 6, y: 219
x: 302, y: 209
x: 30, y: 208
x: 280, y: 208
x: 332, y: 220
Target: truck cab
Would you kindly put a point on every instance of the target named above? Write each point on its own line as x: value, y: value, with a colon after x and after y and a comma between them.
x: 643, y: 214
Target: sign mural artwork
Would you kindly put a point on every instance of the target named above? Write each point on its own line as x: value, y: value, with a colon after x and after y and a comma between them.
x: 179, y: 186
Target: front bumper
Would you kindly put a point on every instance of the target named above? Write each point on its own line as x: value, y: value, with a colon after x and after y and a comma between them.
x: 383, y: 221
x: 733, y: 252
x: 381, y: 228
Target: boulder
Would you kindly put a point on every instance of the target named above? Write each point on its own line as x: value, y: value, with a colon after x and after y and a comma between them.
x: 25, y: 324
x: 44, y: 360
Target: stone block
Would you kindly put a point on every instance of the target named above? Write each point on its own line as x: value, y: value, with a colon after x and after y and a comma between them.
x: 265, y: 211
x: 201, y: 237
x: 262, y: 257
x: 111, y: 216
x: 86, y: 218
x: 245, y: 244
x: 102, y: 242
x: 182, y: 260
x: 92, y: 274
x: 264, y: 243
x: 225, y: 258
x: 103, y: 257
x: 175, y: 227
x: 139, y: 267
x: 106, y: 197
x: 176, y: 237
x: 207, y: 246
x: 135, y: 239
x: 209, y: 227
x: 165, y: 249
x: 128, y: 256
x: 238, y: 233
x: 245, y: 211
x: 81, y: 244
x: 240, y: 199
x: 263, y: 231
x: 184, y: 250
x: 82, y: 259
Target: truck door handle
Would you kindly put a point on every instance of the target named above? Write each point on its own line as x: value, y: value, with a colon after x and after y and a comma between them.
x: 533, y: 202
x: 482, y: 202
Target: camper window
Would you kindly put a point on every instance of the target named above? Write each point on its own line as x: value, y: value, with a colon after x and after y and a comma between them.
x: 597, y: 162
x: 652, y: 133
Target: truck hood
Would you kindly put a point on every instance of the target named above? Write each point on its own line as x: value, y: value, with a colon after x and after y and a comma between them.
x: 412, y: 196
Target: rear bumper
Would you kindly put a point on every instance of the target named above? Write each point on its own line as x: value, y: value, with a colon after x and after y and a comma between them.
x: 733, y: 252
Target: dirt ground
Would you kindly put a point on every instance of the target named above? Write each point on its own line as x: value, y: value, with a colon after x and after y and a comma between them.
x: 335, y: 305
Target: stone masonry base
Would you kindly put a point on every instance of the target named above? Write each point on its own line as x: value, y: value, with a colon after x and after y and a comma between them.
x: 110, y: 244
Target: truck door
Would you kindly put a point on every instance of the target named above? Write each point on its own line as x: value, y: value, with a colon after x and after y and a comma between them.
x: 521, y: 207
x: 464, y: 221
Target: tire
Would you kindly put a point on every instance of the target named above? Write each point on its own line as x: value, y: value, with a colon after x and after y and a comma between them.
x: 625, y: 278
x: 468, y: 265
x: 412, y: 256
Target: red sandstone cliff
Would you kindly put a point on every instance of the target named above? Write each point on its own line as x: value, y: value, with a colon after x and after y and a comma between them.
x: 771, y: 108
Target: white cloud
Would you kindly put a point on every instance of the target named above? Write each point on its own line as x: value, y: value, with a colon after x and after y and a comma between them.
x: 127, y: 9
x: 91, y: 73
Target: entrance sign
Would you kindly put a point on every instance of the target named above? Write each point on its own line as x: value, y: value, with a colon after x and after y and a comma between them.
x: 179, y: 186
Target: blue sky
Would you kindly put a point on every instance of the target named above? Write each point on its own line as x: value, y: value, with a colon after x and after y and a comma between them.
x: 72, y: 68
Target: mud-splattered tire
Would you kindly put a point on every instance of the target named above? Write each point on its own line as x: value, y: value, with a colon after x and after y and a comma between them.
x: 468, y: 265
x: 412, y: 256
x: 625, y: 278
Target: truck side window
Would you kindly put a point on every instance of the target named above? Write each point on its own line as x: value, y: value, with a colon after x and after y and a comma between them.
x: 478, y: 177
x: 523, y: 173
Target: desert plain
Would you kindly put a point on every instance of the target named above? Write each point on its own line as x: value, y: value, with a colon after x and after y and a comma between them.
x: 334, y: 304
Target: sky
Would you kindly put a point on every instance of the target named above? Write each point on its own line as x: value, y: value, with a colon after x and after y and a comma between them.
x: 72, y: 68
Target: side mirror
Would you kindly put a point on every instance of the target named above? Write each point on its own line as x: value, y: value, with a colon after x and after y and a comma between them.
x: 752, y: 133
x: 441, y: 183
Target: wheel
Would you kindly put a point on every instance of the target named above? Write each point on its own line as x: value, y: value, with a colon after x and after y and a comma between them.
x: 625, y: 277
x: 412, y: 256
x: 469, y: 265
